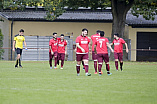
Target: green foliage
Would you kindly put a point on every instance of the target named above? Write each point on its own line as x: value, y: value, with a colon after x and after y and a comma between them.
x: 147, y: 8
x: 1, y: 44
x: 53, y: 7
x: 36, y: 83
x: 94, y: 4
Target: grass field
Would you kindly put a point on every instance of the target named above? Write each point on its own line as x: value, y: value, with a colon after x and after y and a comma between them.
x: 36, y: 83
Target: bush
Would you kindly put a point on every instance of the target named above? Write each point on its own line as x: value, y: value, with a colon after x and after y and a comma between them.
x: 1, y: 44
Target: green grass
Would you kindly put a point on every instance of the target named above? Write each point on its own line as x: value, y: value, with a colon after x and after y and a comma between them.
x: 36, y: 83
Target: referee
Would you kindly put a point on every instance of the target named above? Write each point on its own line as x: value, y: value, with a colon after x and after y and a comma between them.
x: 19, y: 39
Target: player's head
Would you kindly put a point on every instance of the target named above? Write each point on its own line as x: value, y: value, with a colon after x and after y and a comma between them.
x: 84, y: 32
x: 62, y: 36
x: 116, y: 35
x: 98, y: 32
x: 102, y: 33
x: 21, y: 32
x: 55, y: 35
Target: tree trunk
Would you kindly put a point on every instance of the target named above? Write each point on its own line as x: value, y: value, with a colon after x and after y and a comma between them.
x: 118, y: 25
x: 119, y: 11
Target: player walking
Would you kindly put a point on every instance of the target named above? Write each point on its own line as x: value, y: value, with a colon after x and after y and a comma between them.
x: 118, y: 50
x: 102, y: 54
x: 62, y: 49
x: 53, y: 45
x: 82, y: 44
x: 19, y: 39
x: 94, y: 55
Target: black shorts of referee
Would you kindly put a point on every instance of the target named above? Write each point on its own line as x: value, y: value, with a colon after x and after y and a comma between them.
x: 18, y: 51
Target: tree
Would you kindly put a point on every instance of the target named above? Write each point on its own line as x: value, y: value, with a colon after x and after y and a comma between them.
x: 1, y: 44
x: 120, y: 8
x: 53, y: 7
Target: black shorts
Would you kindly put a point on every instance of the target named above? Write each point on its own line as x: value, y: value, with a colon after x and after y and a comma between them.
x: 18, y: 51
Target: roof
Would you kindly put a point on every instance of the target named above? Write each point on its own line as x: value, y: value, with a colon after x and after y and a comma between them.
x: 76, y: 16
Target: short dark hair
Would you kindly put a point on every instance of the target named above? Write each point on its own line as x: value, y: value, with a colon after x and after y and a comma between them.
x: 116, y: 34
x: 98, y: 31
x: 54, y: 33
x: 85, y: 30
x: 102, y: 33
x: 62, y: 34
x: 21, y: 30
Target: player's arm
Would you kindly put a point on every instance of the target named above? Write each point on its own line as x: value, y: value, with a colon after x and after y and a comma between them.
x: 25, y: 45
x: 14, y: 45
x: 75, y: 49
x: 66, y: 47
x: 95, y: 49
x: 126, y: 46
x: 90, y: 46
x: 51, y: 50
x: 78, y: 46
x: 109, y: 46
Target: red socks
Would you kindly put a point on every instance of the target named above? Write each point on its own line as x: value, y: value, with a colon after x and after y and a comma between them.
x: 95, y: 66
x: 99, y: 67
x: 86, y: 68
x: 116, y: 64
x: 78, y: 69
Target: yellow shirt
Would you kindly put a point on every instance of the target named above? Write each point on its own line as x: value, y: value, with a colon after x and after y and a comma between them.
x: 19, y: 41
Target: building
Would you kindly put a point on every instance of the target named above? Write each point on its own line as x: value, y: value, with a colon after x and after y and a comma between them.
x: 143, y: 33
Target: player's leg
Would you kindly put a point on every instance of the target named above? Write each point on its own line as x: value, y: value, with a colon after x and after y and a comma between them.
x: 121, y: 60
x: 58, y: 58
x: 100, y: 62
x: 83, y: 65
x: 94, y: 58
x: 78, y: 59
x: 85, y: 60
x: 116, y: 60
x: 19, y: 59
x: 18, y: 56
x: 55, y: 59
x: 62, y: 59
x: 50, y: 60
x: 106, y: 59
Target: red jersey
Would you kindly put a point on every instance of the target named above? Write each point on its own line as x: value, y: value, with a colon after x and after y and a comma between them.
x: 118, y: 45
x: 83, y: 42
x: 101, y: 45
x: 61, y: 46
x: 54, y: 44
x: 94, y: 39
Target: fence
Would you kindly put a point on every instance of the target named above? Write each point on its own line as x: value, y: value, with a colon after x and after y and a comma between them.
x: 38, y: 49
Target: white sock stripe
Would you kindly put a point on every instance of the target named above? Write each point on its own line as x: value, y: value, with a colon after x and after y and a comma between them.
x: 77, y: 65
x: 100, y: 63
x: 85, y: 64
x: 95, y: 60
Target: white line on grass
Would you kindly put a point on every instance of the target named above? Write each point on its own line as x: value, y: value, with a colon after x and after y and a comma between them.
x: 63, y: 90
